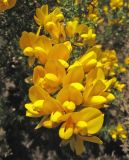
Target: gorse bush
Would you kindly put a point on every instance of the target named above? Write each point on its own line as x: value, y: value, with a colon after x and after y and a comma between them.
x: 68, y: 95
x: 73, y: 74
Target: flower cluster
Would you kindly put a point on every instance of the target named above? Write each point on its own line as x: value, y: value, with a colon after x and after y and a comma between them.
x: 68, y: 94
x: 6, y: 4
x: 116, y: 12
x: 118, y: 132
x: 103, y: 12
x: 116, y: 4
x: 93, y: 12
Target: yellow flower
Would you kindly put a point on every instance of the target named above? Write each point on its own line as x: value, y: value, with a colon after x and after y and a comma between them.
x: 69, y: 97
x: 42, y: 16
x: 119, y: 86
x: 37, y: 96
x: 116, y: 4
x: 51, y: 22
x: 93, y: 17
x: 60, y: 51
x: 105, y: 9
x: 75, y: 74
x: 118, y: 132
x: 89, y: 37
x: 83, y: 123
x: 71, y: 28
x: 88, y: 60
x: 50, y: 78
x: 41, y: 104
x: 93, y: 14
x: 35, y: 46
x: 40, y: 47
x: 107, y: 60
x: 122, y: 69
x: 56, y: 31
x: 86, y: 34
x: 96, y: 90
x: 7, y: 4
x: 126, y: 61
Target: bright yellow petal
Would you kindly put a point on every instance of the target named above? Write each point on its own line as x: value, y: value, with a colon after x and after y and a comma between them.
x: 69, y: 106
x: 38, y: 73
x: 94, y: 125
x: 65, y: 132
x: 87, y: 56
x: 97, y: 89
x: 28, y: 51
x: 51, y: 80
x: 70, y: 94
x: 48, y: 124
x: 96, y: 101
x: 63, y: 63
x: 58, y: 69
x: 38, y: 105
x: 68, y: 45
x: 51, y: 105
x: 59, y: 51
x: 30, y: 111
x: 37, y: 93
x: 55, y: 116
x: 89, y: 65
x: 75, y: 74
x: 86, y: 114
x: 77, y: 86
x: 81, y: 124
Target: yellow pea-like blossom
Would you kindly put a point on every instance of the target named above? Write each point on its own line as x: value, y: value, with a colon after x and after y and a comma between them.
x: 40, y: 47
x: 42, y: 16
x: 88, y: 61
x: 35, y: 46
x: 122, y: 69
x: 60, y: 51
x: 51, y: 22
x: 82, y: 123
x: 96, y: 91
x: 96, y: 57
x: 56, y: 31
x: 49, y: 77
x: 37, y: 96
x: 86, y: 34
x: 89, y: 38
x: 69, y: 97
x: 75, y: 74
